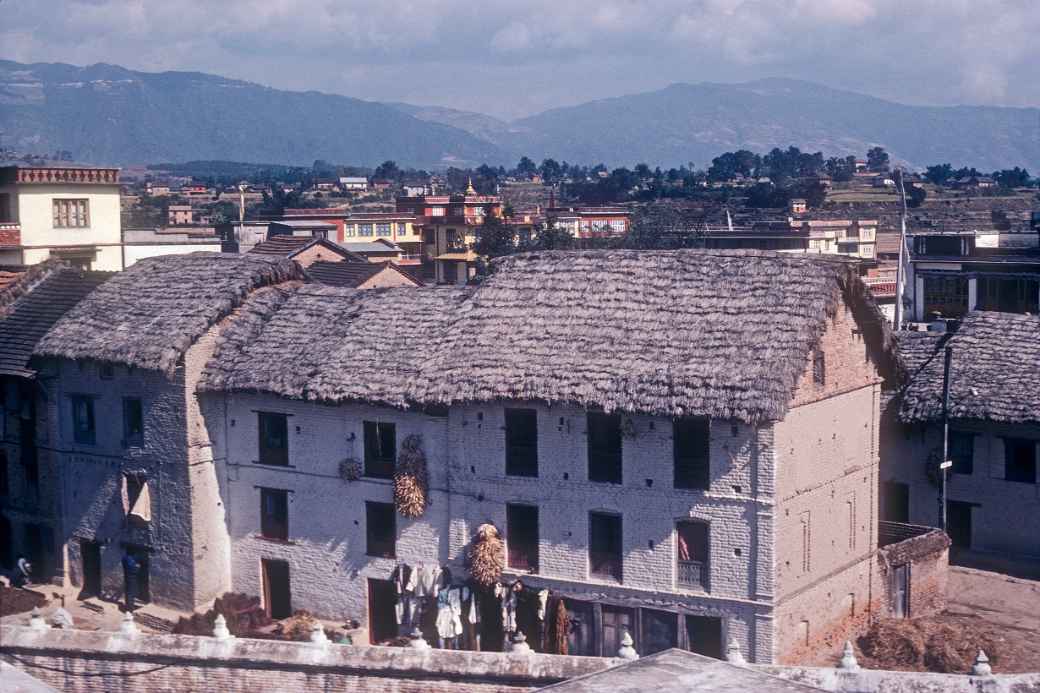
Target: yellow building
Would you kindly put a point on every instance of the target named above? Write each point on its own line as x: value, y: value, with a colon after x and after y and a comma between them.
x: 66, y: 211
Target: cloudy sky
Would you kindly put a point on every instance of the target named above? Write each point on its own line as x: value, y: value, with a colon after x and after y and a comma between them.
x: 514, y: 57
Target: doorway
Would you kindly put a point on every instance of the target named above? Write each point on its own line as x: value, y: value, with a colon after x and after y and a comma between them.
x: 958, y: 523
x: 581, y: 640
x: 382, y: 619
x: 140, y: 555
x: 90, y: 555
x: 39, y: 545
x: 659, y: 630
x: 6, y: 543
x: 616, y: 622
x: 901, y: 591
x: 277, y: 595
x: 704, y: 635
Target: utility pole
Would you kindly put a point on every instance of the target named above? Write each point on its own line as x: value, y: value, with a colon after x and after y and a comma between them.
x: 900, y: 278
x: 946, y: 463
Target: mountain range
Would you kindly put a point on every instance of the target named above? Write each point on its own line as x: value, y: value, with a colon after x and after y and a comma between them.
x: 109, y: 114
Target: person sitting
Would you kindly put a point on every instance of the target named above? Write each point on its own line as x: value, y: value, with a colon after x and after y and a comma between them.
x: 22, y: 572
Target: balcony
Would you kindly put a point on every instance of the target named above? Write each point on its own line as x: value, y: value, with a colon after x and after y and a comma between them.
x: 692, y: 575
x: 10, y: 234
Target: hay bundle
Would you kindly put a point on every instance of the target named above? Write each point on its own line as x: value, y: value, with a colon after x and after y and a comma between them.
x: 411, y: 486
x: 486, y: 556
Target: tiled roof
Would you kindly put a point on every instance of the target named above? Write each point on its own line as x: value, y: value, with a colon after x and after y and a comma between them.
x: 282, y: 246
x: 9, y: 275
x: 32, y: 314
x: 352, y: 274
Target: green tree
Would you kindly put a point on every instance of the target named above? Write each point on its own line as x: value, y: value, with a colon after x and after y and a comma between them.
x: 915, y: 195
x: 549, y: 237
x: 551, y: 171
x: 495, y: 238
x: 939, y: 174
x: 1012, y: 177
x: 387, y: 170
x: 526, y: 168
x: 877, y: 159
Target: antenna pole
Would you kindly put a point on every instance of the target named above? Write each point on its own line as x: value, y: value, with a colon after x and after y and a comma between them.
x: 900, y: 273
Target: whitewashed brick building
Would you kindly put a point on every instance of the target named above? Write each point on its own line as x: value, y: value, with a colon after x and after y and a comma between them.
x: 601, y: 409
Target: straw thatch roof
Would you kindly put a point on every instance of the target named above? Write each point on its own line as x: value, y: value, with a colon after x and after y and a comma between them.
x: 724, y: 334
x: 718, y: 333
x: 994, y: 373
x: 151, y: 313
x: 33, y: 304
x: 332, y: 344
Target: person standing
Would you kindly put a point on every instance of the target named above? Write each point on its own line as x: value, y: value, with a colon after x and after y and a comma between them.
x: 131, y: 568
x: 22, y: 572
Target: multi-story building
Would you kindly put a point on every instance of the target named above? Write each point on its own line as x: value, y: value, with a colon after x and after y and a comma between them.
x: 692, y: 465
x: 852, y: 238
x: 130, y: 449
x: 180, y: 215
x: 60, y: 211
x: 363, y: 227
x: 30, y: 486
x: 448, y: 224
x: 591, y: 222
x: 993, y: 488
x: 953, y: 272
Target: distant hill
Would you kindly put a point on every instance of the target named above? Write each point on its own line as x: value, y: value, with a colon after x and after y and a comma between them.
x: 695, y: 122
x: 108, y: 114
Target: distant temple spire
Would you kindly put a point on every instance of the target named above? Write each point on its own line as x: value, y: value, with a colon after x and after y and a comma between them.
x: 470, y: 190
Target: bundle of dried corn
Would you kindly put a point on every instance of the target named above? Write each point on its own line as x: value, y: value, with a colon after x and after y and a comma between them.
x: 486, y: 556
x: 410, y: 480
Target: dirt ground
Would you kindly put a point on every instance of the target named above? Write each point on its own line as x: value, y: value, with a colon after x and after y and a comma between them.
x: 16, y: 601
x: 992, y: 611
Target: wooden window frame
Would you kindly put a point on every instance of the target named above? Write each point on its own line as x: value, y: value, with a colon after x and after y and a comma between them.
x: 379, y: 462
x: 271, y: 527
x: 267, y: 455
x: 521, y: 449
x: 380, y: 546
x: 605, y: 464
x: 691, y: 467
x: 522, y: 542
x: 613, y: 559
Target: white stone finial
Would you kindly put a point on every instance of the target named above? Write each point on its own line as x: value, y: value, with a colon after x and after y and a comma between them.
x: 417, y: 642
x: 733, y: 653
x: 981, y: 666
x: 220, y: 629
x: 36, y: 621
x: 627, y: 651
x: 519, y: 644
x: 128, y: 628
x: 318, y: 636
x: 848, y: 658
x: 61, y: 618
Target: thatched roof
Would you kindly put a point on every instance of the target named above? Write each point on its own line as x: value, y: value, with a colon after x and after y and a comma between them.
x: 151, y: 313
x: 994, y: 373
x: 724, y: 334
x: 332, y: 344
x: 30, y: 306
x: 718, y: 333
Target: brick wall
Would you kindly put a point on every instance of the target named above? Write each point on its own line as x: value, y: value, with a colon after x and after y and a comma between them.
x: 1005, y: 515
x: 827, y: 466
x: 89, y: 661
x: 927, y: 558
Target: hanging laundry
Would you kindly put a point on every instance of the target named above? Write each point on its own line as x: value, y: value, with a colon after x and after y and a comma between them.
x: 543, y: 597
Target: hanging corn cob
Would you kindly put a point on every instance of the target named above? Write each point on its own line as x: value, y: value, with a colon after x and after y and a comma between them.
x: 411, y: 488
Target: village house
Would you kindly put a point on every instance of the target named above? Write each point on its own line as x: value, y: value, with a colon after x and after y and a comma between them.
x: 180, y: 215
x: 850, y: 237
x: 305, y: 250
x: 951, y: 272
x: 31, y: 301
x: 67, y: 211
x: 992, y: 502
x: 693, y: 462
x: 129, y: 448
x: 357, y: 275
x: 141, y: 243
x: 448, y: 224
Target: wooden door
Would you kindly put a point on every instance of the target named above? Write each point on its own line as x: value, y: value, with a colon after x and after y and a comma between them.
x: 704, y: 635
x: 277, y: 593
x: 958, y: 523
x: 901, y: 591
x: 616, y: 622
x: 90, y: 555
x: 382, y: 620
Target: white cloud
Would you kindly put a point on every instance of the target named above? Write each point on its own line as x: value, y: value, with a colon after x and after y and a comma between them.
x: 523, y: 55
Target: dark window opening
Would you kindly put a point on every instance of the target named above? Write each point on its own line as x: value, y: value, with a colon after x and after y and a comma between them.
x: 1008, y: 295
x: 5, y: 482
x: 947, y: 296
x: 895, y: 501
x: 604, y: 447
x: 819, y: 367
x: 692, y: 556
x: 83, y: 426
x: 277, y: 593
x: 1020, y: 460
x: 274, y: 438
x: 133, y: 423
x: 380, y: 529
x: 522, y: 536
x: 521, y: 442
x: 605, y: 546
x: 962, y: 452
x: 690, y: 452
x: 940, y: 245
x: 380, y: 449
x: 274, y: 514
x: 660, y: 631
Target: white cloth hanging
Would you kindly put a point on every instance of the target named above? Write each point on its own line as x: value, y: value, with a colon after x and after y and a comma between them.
x: 142, y: 507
